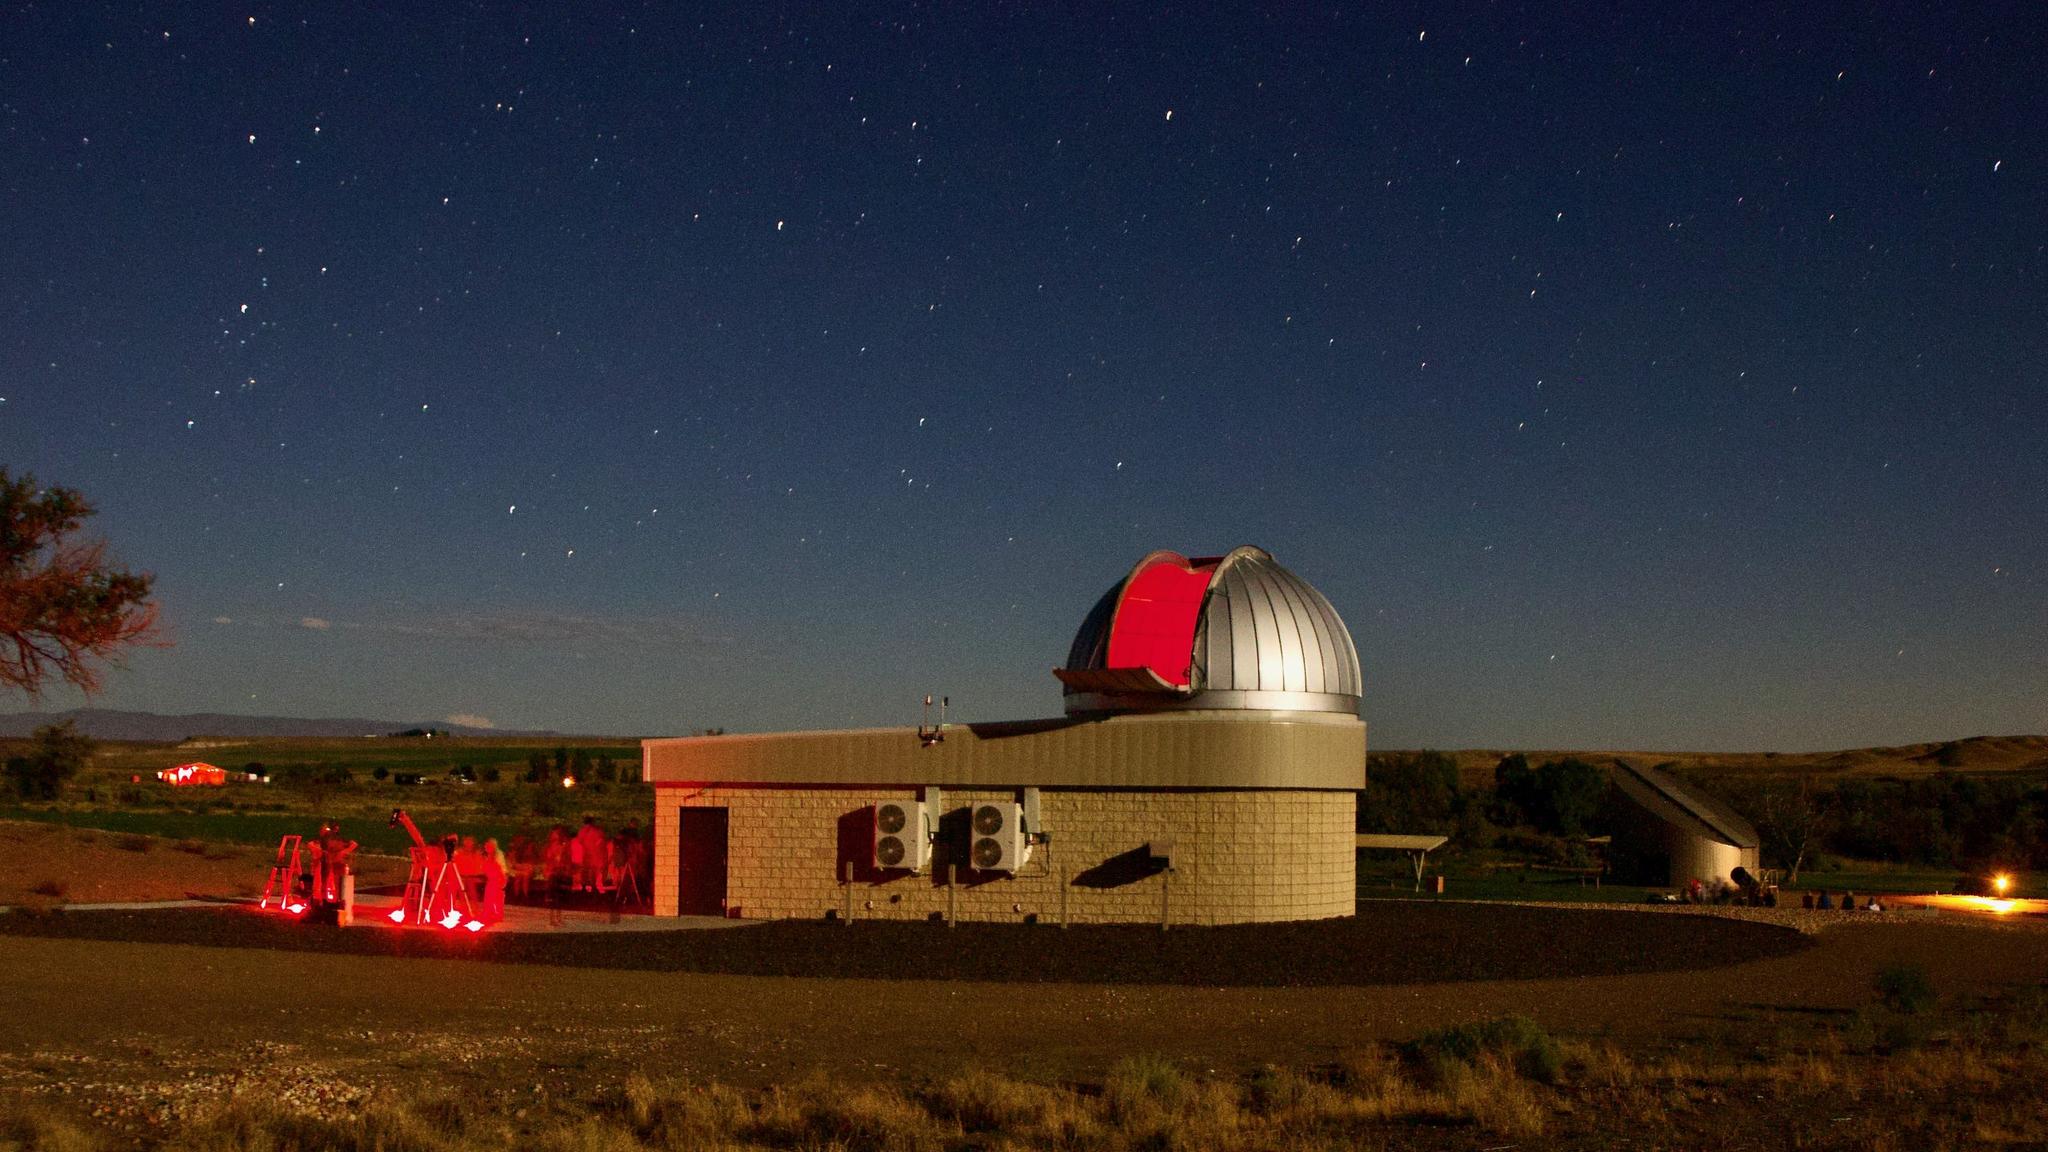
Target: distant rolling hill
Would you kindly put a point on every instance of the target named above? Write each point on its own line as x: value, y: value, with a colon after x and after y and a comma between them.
x: 149, y: 727
x: 1975, y: 756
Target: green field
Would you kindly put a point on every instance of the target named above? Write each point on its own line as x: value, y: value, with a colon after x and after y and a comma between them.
x: 371, y: 828
x: 363, y: 755
x: 119, y: 791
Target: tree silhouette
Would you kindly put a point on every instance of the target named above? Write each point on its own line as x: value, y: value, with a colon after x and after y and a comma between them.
x: 63, y: 607
x: 55, y: 754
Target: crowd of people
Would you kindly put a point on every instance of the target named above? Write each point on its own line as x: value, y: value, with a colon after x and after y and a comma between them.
x: 586, y: 865
x: 1826, y: 902
x: 563, y: 868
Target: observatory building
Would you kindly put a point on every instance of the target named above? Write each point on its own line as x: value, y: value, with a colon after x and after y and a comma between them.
x: 1205, y: 772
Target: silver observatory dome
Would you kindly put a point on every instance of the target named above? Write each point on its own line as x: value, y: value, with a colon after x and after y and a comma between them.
x: 1231, y: 631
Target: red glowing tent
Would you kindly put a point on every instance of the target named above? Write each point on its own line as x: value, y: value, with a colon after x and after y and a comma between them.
x: 194, y: 774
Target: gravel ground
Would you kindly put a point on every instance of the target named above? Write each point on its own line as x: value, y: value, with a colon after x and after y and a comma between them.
x: 141, y: 1033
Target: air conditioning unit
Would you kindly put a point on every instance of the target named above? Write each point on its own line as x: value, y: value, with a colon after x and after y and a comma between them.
x: 996, y: 840
x: 900, y: 837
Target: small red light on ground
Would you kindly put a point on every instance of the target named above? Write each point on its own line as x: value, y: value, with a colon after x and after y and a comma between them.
x: 475, y: 925
x: 295, y: 909
x: 451, y: 919
x: 398, y: 915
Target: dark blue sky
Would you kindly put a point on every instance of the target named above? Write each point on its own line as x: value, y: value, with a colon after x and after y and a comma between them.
x: 1674, y: 380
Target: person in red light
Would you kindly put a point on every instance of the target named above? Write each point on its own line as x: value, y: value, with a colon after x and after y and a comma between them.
x: 494, y: 882
x: 521, y: 857
x: 469, y: 861
x: 334, y: 855
x: 592, y: 840
x: 314, y: 875
x: 555, y: 864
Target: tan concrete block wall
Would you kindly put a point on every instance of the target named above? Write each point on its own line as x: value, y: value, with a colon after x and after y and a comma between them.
x: 1239, y: 856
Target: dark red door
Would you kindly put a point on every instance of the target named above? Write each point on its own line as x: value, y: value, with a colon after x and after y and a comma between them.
x: 701, y: 858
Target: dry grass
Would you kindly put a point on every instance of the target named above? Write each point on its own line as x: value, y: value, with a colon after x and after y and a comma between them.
x: 1983, y: 1064
x: 26, y: 1127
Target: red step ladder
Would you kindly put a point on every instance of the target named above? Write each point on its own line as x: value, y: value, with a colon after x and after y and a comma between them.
x: 284, y: 875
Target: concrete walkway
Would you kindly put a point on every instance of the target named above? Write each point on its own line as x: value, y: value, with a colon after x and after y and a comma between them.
x: 374, y: 912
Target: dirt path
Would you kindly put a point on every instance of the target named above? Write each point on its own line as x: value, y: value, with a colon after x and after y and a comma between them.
x: 124, y: 1009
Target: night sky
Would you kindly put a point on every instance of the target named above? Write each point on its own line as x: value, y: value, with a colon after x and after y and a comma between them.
x: 1672, y: 381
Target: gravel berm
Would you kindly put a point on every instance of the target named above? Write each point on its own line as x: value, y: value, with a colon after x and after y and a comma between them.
x: 1386, y: 943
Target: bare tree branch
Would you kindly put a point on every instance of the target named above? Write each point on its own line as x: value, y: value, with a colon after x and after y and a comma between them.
x: 65, y: 609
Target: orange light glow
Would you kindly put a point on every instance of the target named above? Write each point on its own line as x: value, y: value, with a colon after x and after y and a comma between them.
x: 568, y: 781
x: 1955, y: 902
x: 2002, y: 882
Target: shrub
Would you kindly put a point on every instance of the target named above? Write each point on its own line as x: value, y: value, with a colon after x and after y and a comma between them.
x: 1904, y: 988
x: 821, y: 1113
x: 56, y: 753
x: 673, y: 1114
x: 134, y: 842
x: 1517, y: 1039
x: 1274, y: 1090
x: 983, y: 1101
x: 380, y: 772
x: 1137, y: 1085
x: 191, y: 847
x: 33, y: 1126
x: 55, y: 889
x: 545, y: 802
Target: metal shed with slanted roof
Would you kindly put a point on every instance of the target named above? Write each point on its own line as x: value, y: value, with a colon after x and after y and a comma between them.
x: 1671, y: 832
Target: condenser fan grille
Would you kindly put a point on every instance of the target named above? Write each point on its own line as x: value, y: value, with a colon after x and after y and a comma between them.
x: 988, y: 851
x: 988, y: 820
x: 889, y: 851
x: 891, y: 818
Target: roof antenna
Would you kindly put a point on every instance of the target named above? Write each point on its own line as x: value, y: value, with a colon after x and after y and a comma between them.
x: 929, y: 733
